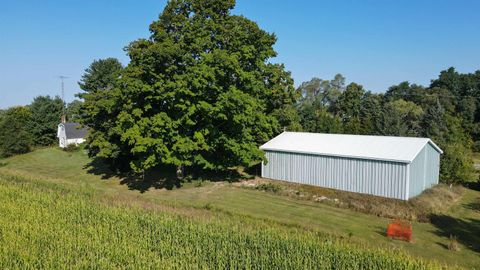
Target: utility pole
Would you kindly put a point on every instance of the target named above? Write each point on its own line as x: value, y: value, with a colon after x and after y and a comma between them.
x: 62, y: 78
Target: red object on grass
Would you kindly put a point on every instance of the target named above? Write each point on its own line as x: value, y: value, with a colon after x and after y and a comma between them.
x: 400, y: 230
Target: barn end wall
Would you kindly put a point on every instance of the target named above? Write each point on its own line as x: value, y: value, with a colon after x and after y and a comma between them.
x: 417, y: 175
x: 433, y: 166
x: 380, y: 178
x: 424, y: 171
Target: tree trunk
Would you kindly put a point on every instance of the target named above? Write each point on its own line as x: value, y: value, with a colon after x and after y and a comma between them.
x: 180, y: 172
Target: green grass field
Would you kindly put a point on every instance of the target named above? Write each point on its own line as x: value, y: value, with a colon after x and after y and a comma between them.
x: 52, y: 179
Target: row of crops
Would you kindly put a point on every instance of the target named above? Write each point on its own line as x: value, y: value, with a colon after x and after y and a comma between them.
x: 50, y: 226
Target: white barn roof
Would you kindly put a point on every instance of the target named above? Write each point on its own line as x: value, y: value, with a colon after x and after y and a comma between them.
x: 399, y: 149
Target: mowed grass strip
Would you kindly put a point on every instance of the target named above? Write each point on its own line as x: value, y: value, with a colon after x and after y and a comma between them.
x: 48, y: 226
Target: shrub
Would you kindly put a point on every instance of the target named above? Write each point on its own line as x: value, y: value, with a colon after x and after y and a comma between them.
x: 476, y: 146
x: 453, y: 244
x: 71, y: 148
x: 270, y: 187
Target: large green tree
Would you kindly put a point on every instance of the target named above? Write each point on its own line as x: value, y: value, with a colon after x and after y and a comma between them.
x: 199, y: 92
x: 46, y: 114
x: 15, y: 137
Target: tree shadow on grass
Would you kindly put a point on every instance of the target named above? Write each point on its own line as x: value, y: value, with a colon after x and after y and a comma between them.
x: 158, y: 178
x: 466, y: 230
x: 155, y: 180
x: 475, y: 205
x: 100, y: 168
x: 161, y: 177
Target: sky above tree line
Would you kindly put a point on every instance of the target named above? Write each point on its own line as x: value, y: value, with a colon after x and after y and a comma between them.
x: 377, y: 43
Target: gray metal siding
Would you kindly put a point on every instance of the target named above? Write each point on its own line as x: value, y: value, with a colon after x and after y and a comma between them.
x: 417, y: 175
x: 433, y: 166
x: 424, y: 171
x: 380, y: 178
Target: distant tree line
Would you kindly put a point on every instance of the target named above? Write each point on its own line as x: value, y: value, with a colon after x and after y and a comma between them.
x: 448, y: 112
x: 23, y: 128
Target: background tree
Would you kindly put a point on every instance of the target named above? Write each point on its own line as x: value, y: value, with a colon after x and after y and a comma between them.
x: 199, y: 92
x: 97, y: 83
x: 464, y: 91
x: 433, y: 122
x: 98, y: 110
x: 288, y: 118
x: 15, y: 137
x: 371, y: 113
x: 100, y: 75
x: 315, y: 103
x: 349, y: 108
x: 322, y: 92
x: 406, y: 91
x: 447, y: 112
x: 456, y: 165
x: 45, y: 116
x: 402, y: 118
x: 74, y: 111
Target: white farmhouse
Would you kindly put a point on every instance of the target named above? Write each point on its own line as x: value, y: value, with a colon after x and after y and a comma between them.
x: 70, y: 133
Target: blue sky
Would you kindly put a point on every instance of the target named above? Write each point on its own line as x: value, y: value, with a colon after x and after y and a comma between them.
x: 376, y: 43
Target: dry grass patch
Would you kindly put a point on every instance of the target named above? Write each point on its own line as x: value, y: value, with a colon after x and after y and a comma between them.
x: 432, y: 201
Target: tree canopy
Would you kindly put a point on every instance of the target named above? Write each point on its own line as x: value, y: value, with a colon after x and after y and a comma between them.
x: 100, y: 75
x: 447, y: 111
x: 45, y: 116
x: 199, y: 92
x: 74, y: 111
x: 15, y: 136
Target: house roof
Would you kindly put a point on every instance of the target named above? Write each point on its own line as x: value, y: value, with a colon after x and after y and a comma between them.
x: 399, y: 149
x: 74, y: 131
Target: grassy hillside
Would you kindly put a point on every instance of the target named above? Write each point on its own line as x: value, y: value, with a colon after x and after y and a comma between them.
x: 233, y: 211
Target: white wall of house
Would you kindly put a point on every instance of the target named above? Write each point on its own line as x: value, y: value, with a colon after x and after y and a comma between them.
x: 75, y: 141
x: 63, y: 142
x: 62, y: 137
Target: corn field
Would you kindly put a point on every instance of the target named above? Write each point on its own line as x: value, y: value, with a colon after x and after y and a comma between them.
x: 48, y: 226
